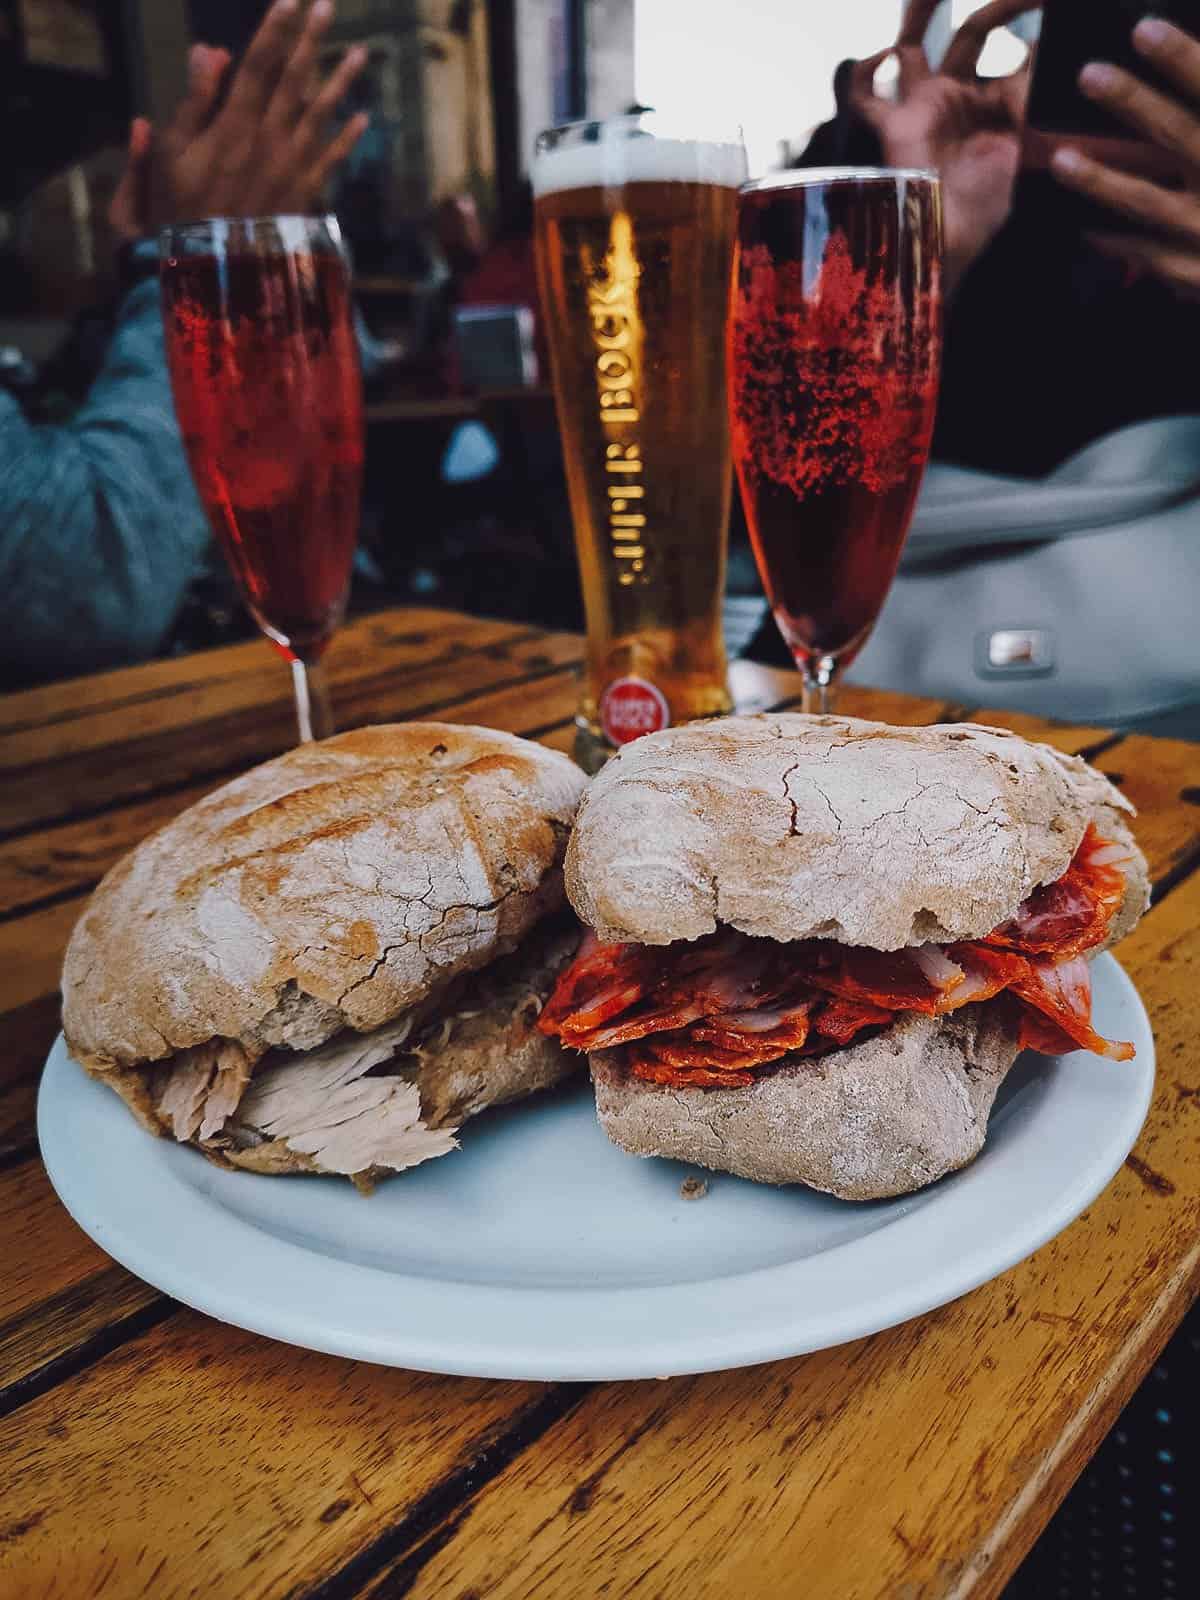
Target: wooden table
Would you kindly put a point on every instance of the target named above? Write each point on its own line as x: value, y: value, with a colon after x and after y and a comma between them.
x: 147, y: 1450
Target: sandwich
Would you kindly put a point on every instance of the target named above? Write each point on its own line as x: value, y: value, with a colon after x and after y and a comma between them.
x: 331, y: 963
x: 817, y: 945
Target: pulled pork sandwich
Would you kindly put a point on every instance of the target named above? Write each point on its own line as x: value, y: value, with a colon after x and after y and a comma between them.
x: 329, y: 964
x: 819, y: 944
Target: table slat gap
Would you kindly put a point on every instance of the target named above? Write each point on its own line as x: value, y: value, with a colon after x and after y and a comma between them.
x: 61, y: 1324
x: 280, y: 1464
x: 77, y: 699
x: 456, y: 1490
x: 1016, y: 1531
x: 1179, y: 874
x: 139, y: 768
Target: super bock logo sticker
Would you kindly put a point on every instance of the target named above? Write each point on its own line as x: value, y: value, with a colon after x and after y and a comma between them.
x: 631, y: 707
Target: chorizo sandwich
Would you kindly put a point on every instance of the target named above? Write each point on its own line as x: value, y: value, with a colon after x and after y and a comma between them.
x: 818, y: 944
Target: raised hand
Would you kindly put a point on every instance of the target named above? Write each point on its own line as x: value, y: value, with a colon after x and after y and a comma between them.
x: 270, y: 147
x: 964, y: 127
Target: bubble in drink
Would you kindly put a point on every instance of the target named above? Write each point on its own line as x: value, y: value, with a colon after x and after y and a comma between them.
x: 266, y: 383
x: 834, y: 354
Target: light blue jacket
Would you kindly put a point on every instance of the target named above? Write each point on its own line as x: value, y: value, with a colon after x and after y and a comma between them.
x: 101, y: 530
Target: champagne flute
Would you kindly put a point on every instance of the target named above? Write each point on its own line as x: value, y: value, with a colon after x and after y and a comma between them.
x: 834, y: 352
x: 265, y: 375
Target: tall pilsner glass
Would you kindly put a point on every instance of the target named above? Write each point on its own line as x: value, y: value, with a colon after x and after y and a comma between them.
x: 265, y: 375
x: 834, y: 357
x: 634, y: 232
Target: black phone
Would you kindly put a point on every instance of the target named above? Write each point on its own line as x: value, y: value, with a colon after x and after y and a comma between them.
x: 1075, y: 32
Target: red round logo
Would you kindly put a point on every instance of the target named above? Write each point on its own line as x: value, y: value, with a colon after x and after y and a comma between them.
x: 630, y: 707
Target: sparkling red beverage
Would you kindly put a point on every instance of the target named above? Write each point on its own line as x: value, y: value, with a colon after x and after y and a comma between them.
x: 834, y: 353
x: 265, y: 376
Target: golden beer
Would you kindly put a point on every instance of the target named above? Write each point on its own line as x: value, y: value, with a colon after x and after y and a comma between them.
x: 634, y: 242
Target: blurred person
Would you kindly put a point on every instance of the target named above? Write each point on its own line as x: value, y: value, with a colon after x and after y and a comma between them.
x: 506, y: 271
x: 1052, y: 566
x: 1053, y: 339
x: 460, y: 233
x: 503, y: 271
x: 101, y: 531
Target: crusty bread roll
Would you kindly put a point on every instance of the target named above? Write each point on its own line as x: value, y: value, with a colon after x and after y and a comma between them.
x: 795, y: 827
x: 791, y: 827
x: 346, y: 889
x: 880, y: 1118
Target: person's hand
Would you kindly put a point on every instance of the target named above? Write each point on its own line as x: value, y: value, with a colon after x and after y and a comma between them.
x: 1172, y: 251
x: 126, y: 211
x: 964, y: 127
x: 270, y: 147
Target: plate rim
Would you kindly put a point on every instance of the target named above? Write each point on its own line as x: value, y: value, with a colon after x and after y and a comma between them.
x: 200, y: 1279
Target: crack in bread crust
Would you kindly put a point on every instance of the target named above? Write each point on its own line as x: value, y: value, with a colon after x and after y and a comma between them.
x: 330, y: 888
x: 792, y: 827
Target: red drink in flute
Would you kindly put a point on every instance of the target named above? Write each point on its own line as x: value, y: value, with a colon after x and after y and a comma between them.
x: 834, y: 355
x: 265, y: 376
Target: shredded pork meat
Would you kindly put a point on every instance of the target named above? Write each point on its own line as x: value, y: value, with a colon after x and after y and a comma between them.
x: 202, y: 1089
x: 324, y: 1105
x: 353, y: 1105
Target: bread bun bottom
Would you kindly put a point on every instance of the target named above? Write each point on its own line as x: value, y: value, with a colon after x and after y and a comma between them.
x: 880, y: 1118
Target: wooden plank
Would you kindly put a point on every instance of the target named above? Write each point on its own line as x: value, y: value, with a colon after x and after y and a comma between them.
x: 228, y: 1465
x: 883, y: 705
x: 70, y: 857
x: 139, y: 764
x: 413, y: 655
x: 243, y: 1507
x: 1072, y: 738
x: 1162, y: 779
x: 44, y: 1251
x: 561, y: 737
x: 25, y: 1040
x: 31, y: 952
x: 396, y: 639
x: 69, y: 1327
x: 921, y: 1462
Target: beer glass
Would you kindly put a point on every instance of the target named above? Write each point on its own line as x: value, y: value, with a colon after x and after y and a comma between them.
x: 265, y: 377
x: 634, y: 235
x: 834, y: 356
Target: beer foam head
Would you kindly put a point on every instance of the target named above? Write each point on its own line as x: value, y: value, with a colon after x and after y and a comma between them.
x: 620, y: 155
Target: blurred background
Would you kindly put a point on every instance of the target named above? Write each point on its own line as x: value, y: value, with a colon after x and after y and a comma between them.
x: 1053, y: 344
x: 465, y: 499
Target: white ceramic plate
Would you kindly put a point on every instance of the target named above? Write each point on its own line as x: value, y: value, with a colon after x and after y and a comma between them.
x: 541, y: 1251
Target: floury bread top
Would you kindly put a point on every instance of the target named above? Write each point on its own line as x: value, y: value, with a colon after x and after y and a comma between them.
x: 622, y: 154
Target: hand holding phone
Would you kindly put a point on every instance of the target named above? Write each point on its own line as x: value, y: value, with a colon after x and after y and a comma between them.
x: 1112, y: 141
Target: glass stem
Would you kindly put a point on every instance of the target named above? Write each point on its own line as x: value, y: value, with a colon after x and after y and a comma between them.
x: 819, y: 687
x: 314, y: 714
